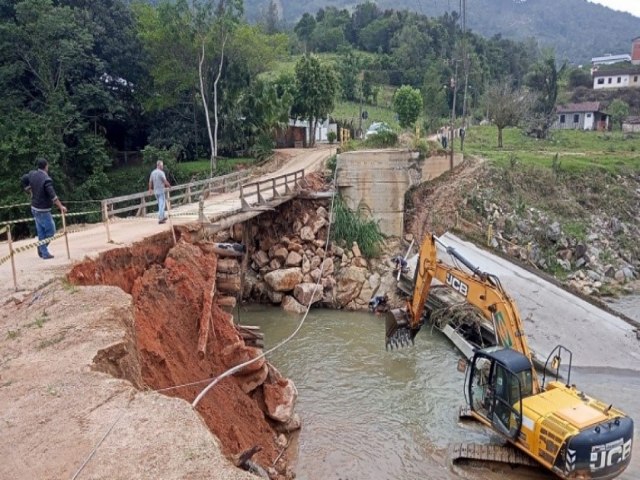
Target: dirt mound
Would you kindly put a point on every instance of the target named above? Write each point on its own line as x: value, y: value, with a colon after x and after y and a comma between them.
x: 168, y: 297
x: 432, y: 206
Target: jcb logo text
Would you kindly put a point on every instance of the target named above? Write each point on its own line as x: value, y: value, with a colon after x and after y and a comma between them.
x: 457, y: 285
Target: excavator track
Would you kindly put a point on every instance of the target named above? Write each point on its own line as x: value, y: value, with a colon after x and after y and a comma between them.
x: 489, y: 453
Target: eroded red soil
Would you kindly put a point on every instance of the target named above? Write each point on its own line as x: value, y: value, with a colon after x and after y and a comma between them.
x: 169, y: 286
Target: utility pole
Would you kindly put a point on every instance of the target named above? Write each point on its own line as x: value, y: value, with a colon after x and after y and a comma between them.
x: 454, y: 85
x: 359, y: 134
x: 466, y: 62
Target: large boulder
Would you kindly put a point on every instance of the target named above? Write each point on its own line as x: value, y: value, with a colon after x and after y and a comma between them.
x: 294, y: 259
x: 317, y: 223
x: 280, y: 395
x: 248, y: 383
x: 283, y: 280
x: 280, y: 254
x: 308, y: 293
x: 238, y: 353
x: 306, y: 233
x: 327, y: 267
x: 290, y: 304
x: 350, y: 281
x: 261, y: 258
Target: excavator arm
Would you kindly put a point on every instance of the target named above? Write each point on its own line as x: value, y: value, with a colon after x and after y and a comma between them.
x: 481, y: 289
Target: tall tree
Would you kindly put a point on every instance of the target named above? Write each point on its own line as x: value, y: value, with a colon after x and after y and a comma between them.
x: 271, y: 19
x: 316, y: 87
x: 228, y: 13
x: 506, y: 106
x: 542, y: 80
x: 51, y: 82
x: 304, y: 29
x: 434, y: 97
x: 348, y: 71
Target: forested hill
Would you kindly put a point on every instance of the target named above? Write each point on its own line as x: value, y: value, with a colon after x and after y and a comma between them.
x: 577, y: 29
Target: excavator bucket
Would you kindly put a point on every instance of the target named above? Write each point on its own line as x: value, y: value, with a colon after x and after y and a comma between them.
x: 398, y: 330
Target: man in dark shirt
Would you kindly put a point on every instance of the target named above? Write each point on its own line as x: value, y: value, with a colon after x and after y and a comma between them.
x: 39, y: 184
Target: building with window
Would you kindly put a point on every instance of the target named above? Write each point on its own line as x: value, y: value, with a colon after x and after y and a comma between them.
x: 610, y: 59
x: 616, y: 78
x: 581, y: 116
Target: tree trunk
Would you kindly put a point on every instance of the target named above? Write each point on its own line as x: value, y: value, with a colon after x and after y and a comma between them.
x: 499, y: 137
x: 215, y: 105
x: 206, y: 110
x: 312, y: 131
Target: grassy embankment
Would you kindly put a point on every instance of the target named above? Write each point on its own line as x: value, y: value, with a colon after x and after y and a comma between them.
x: 585, y: 181
x: 578, y: 151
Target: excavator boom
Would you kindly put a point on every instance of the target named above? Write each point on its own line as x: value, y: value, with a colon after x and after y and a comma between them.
x: 479, y: 288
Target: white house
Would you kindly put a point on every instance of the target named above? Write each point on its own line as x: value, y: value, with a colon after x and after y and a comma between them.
x: 298, y: 133
x: 616, y: 78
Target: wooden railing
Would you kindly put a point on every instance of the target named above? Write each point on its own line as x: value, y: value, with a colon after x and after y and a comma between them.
x: 262, y: 187
x: 179, y: 194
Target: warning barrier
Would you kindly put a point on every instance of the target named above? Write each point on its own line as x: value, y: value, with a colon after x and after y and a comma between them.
x: 56, y: 215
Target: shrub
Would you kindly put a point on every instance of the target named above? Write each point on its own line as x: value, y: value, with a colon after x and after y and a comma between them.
x: 331, y: 136
x: 352, y: 227
x: 382, y: 139
x: 262, y: 150
x: 332, y: 164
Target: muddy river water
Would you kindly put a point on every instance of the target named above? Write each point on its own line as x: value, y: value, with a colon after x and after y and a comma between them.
x: 369, y: 414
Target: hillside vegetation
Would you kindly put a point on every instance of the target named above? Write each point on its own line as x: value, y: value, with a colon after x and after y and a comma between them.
x: 574, y: 28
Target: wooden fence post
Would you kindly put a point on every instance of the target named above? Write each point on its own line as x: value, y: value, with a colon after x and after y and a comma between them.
x: 105, y: 216
x: 66, y: 237
x: 13, y: 262
x: 173, y: 232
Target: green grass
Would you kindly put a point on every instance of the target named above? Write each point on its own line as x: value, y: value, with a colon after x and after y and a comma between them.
x: 40, y: 321
x: 52, y: 341
x: 287, y: 65
x: 13, y: 334
x: 575, y: 229
x: 578, y: 151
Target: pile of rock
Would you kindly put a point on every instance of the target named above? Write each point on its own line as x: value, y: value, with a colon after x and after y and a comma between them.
x: 293, y: 265
x: 597, y: 261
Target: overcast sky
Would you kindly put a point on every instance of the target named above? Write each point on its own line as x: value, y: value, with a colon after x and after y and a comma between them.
x: 631, y: 6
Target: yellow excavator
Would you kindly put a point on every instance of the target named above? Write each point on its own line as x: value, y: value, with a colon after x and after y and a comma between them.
x: 575, y: 436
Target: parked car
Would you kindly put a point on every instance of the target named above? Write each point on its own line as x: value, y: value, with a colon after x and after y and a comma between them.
x: 377, y: 127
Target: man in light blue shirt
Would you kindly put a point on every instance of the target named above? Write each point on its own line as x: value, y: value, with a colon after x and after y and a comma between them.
x: 157, y: 182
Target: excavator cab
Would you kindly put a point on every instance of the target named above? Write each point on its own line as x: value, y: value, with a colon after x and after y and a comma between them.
x: 497, y: 380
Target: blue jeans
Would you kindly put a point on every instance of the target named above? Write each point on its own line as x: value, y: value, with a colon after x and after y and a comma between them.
x: 161, y: 204
x: 45, y: 227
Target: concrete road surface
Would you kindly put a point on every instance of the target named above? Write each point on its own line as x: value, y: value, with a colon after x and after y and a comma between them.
x: 554, y: 316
